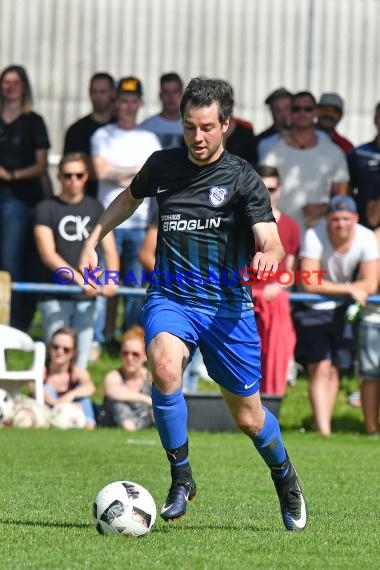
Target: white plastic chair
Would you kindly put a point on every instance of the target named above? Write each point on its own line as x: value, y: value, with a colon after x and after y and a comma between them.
x: 11, y: 380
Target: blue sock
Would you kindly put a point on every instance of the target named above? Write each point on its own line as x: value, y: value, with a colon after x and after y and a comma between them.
x: 170, y: 413
x: 269, y: 444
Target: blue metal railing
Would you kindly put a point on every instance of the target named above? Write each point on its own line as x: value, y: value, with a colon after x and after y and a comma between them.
x: 140, y: 292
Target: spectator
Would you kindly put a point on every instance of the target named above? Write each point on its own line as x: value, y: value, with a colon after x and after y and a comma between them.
x: 119, y: 150
x: 311, y: 168
x: 61, y: 225
x: 240, y: 140
x: 24, y: 144
x: 78, y: 136
x: 128, y: 402
x: 78, y: 139
x: 330, y: 112
x: 167, y: 125
x: 369, y: 361
x: 64, y: 381
x: 347, y: 253
x: 279, y: 103
x: 364, y: 164
x: 271, y: 300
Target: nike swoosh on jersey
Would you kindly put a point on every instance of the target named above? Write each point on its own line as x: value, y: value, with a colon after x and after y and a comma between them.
x: 161, y: 190
x: 247, y: 386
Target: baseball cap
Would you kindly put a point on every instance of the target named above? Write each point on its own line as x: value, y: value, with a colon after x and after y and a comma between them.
x: 331, y: 100
x: 130, y: 85
x: 342, y: 204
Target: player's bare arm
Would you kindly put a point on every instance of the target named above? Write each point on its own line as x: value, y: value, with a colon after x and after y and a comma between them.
x: 119, y: 210
x: 271, y: 251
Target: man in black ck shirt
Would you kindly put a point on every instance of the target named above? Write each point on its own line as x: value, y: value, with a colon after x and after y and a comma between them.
x: 62, y: 223
x: 211, y: 205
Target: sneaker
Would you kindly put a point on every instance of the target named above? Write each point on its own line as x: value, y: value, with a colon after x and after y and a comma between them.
x: 179, y: 493
x: 292, y: 502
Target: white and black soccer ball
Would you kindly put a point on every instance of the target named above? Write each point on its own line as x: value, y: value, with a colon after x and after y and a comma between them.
x: 6, y: 407
x: 124, y: 508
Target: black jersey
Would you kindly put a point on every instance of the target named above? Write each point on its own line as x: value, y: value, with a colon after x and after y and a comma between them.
x: 205, y: 240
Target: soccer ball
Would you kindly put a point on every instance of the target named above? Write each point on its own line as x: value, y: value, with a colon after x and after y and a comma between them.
x: 66, y: 416
x: 124, y: 508
x: 6, y: 407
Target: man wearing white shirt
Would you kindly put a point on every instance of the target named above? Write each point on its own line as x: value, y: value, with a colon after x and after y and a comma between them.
x: 312, y: 168
x: 167, y: 124
x: 118, y: 152
x: 339, y: 258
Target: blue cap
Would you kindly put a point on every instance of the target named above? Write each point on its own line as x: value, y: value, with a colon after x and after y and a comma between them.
x: 342, y: 204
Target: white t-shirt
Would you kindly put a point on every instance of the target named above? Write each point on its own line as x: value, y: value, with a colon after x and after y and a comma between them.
x: 123, y: 147
x: 306, y: 174
x: 169, y: 132
x: 340, y: 267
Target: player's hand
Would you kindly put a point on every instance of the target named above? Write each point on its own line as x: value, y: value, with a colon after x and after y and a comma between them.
x: 264, y: 265
x: 88, y: 262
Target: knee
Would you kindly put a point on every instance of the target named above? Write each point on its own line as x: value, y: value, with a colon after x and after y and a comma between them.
x: 250, y: 424
x: 165, y: 376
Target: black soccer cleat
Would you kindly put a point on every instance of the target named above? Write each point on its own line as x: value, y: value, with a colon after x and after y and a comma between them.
x: 292, y: 502
x: 175, y: 505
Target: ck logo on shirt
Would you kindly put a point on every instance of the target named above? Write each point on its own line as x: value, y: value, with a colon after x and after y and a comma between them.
x: 217, y: 195
x: 73, y: 228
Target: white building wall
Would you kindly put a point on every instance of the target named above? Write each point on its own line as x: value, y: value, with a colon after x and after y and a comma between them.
x: 257, y: 45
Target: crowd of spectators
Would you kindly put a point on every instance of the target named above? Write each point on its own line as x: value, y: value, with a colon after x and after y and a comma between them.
x: 325, y: 195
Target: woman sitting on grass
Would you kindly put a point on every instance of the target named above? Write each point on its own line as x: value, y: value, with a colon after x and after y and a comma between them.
x: 64, y: 381
x: 127, y: 390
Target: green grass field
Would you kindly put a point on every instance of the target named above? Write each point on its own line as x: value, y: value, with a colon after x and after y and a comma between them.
x: 49, y: 480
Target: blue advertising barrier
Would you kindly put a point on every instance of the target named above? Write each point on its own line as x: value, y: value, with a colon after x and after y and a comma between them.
x: 140, y: 292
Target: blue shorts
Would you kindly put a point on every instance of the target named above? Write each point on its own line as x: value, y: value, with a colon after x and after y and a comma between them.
x: 230, y: 347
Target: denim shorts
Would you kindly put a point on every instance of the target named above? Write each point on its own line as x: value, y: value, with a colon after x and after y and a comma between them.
x: 230, y: 346
x: 369, y: 350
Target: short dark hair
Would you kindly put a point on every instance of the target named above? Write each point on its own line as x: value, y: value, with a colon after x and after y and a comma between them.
x: 304, y: 94
x: 265, y: 171
x: 280, y: 93
x: 103, y: 75
x: 74, y: 157
x: 204, y: 91
x: 171, y: 76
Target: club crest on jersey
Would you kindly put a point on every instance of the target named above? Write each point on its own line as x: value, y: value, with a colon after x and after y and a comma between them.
x: 217, y: 195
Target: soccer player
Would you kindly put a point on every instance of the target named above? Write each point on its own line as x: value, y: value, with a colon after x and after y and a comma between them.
x: 210, y: 203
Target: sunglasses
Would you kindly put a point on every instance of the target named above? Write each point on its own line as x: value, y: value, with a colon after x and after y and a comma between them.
x: 132, y: 352
x: 65, y: 349
x: 69, y: 175
x: 306, y: 108
x: 330, y: 111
